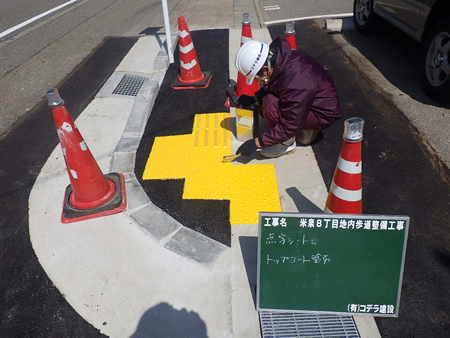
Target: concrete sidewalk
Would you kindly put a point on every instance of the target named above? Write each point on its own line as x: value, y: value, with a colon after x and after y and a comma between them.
x: 140, y: 272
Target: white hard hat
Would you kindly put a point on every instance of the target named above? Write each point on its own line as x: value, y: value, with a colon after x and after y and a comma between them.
x: 250, y: 58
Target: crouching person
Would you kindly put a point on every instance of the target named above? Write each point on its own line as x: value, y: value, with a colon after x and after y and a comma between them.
x: 297, y: 98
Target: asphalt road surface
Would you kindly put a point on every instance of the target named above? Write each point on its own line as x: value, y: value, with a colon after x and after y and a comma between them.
x: 30, y: 304
x: 273, y: 10
x: 41, y: 54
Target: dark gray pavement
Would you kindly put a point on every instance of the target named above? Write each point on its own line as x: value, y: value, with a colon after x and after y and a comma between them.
x: 173, y: 114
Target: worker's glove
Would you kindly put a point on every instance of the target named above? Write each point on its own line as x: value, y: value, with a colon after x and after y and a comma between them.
x: 245, y: 100
x: 247, y: 148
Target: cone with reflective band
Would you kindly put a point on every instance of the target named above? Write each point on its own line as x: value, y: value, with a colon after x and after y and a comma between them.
x: 345, y: 196
x: 289, y: 34
x: 242, y: 88
x: 191, y: 76
x: 90, y: 194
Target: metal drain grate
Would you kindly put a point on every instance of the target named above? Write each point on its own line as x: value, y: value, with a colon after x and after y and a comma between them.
x: 290, y: 324
x: 130, y: 85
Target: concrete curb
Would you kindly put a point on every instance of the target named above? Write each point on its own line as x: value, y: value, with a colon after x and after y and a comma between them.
x: 340, y: 25
x: 172, y: 235
x: 119, y: 271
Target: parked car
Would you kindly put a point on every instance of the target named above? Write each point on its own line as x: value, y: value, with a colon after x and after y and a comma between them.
x: 426, y: 21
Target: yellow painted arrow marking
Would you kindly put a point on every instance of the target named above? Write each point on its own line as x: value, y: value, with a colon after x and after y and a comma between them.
x: 197, y: 158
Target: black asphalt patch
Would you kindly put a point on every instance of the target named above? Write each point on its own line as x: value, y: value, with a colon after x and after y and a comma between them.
x: 30, y: 305
x: 400, y: 176
x: 173, y: 114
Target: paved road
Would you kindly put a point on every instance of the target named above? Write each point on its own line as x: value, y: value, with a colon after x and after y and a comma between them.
x: 38, y: 56
x: 273, y: 10
x: 30, y: 305
x: 15, y: 13
x: 392, y: 60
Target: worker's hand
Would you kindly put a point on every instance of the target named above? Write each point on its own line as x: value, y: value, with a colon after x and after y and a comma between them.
x: 247, y: 148
x: 245, y: 100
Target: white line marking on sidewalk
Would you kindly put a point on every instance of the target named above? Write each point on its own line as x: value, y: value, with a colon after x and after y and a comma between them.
x: 344, y: 15
x: 37, y: 17
x: 272, y: 8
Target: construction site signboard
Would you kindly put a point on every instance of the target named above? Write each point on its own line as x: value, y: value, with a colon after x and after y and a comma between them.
x: 333, y: 263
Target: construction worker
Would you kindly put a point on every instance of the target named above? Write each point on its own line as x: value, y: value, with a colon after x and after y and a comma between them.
x: 297, y: 98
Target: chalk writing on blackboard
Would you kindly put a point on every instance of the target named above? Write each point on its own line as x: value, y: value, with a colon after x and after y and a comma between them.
x: 285, y: 240
x: 317, y: 258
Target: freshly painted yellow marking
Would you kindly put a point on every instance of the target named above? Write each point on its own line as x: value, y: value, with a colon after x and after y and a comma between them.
x: 197, y: 158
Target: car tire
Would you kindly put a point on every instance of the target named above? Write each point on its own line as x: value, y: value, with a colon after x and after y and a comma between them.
x: 364, y: 17
x: 436, y: 62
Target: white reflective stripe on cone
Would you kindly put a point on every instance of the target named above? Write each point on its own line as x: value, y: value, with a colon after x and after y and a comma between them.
x: 349, y: 167
x: 346, y: 195
x: 187, y: 49
x: 182, y: 34
x: 245, y: 39
x: 188, y: 65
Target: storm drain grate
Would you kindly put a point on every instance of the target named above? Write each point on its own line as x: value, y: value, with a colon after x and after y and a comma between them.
x: 130, y: 85
x: 289, y: 324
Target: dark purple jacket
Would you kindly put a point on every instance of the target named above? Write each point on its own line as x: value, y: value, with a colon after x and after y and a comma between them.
x: 301, y: 84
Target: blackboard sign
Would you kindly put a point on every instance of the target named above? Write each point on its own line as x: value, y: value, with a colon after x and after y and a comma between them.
x: 350, y: 264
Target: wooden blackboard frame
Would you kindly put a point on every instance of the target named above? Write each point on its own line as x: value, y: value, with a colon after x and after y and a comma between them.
x: 331, y: 263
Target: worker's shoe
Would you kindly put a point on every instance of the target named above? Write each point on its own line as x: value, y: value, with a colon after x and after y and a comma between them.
x: 306, y: 137
x: 277, y: 150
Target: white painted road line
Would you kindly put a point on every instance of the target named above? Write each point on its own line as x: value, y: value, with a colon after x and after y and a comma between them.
x: 37, y: 17
x: 344, y: 15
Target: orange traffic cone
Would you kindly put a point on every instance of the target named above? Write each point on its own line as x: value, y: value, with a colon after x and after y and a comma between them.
x: 289, y: 34
x: 242, y: 88
x: 345, y: 196
x: 246, y: 33
x: 90, y: 194
x: 191, y: 76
